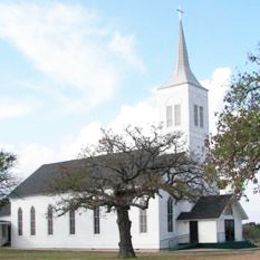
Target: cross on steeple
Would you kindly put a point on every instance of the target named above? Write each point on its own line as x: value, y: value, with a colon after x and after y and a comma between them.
x: 181, y: 12
x: 183, y: 73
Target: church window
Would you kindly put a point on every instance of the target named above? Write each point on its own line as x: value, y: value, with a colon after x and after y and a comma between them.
x: 168, y: 116
x: 177, y: 115
x: 143, y: 220
x: 201, y: 117
x: 50, y: 220
x: 170, y: 215
x: 229, y: 211
x: 196, y: 115
x: 72, y: 222
x: 33, y: 221
x: 20, y: 222
x: 96, y: 215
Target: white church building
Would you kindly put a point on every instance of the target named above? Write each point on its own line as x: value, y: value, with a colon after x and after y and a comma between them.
x: 28, y: 221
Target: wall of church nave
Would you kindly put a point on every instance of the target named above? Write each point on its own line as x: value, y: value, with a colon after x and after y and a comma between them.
x: 149, y: 239
x: 168, y: 239
x: 183, y: 230
x: 84, y: 236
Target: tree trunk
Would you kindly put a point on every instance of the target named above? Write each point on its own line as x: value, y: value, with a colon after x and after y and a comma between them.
x: 126, y: 249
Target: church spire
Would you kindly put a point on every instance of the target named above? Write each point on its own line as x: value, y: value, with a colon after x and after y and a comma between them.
x: 183, y: 73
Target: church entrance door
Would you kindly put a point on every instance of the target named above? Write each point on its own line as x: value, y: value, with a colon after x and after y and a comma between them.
x: 194, y: 232
x: 229, y: 230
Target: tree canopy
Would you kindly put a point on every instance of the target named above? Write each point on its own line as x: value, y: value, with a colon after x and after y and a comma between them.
x: 235, y: 150
x: 128, y: 170
x: 6, y: 179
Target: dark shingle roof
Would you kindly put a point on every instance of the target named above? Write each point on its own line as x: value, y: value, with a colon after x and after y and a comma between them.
x: 43, y: 178
x: 5, y: 210
x: 207, y: 207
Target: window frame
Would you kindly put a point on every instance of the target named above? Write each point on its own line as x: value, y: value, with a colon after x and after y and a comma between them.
x: 201, y: 116
x: 32, y: 221
x: 143, y: 221
x: 96, y: 220
x: 196, y: 115
x: 170, y: 215
x: 50, y: 220
x: 72, y: 222
x: 20, y: 221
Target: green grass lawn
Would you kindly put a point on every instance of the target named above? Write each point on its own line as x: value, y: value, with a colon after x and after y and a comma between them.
x: 78, y: 255
x: 51, y: 255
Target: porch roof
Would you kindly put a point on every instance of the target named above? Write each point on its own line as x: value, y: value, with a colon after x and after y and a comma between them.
x: 207, y: 208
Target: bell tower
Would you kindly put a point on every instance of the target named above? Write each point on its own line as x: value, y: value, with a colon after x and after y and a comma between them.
x: 183, y: 102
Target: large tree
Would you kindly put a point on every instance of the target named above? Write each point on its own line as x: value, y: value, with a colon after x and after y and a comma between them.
x: 6, y: 179
x: 235, y: 150
x: 128, y: 170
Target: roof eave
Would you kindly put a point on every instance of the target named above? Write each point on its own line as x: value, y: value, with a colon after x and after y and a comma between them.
x: 183, y: 83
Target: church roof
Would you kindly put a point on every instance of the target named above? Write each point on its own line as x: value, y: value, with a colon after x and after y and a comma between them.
x: 207, y: 207
x: 183, y: 73
x: 42, y: 180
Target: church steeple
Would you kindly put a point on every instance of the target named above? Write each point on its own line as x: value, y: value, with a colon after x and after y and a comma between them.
x: 183, y: 73
x: 183, y: 102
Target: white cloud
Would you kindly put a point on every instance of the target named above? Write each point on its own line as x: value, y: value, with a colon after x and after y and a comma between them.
x: 124, y: 47
x: 250, y: 206
x: 88, y: 135
x: 30, y: 157
x: 13, y: 109
x: 142, y: 114
x: 71, y: 46
x: 217, y: 87
x: 33, y: 155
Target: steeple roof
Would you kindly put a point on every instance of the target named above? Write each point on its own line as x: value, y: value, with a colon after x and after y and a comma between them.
x: 183, y: 73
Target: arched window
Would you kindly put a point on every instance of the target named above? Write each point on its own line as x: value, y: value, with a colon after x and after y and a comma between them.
x: 72, y: 221
x: 228, y: 211
x: 33, y: 231
x: 96, y: 215
x: 170, y: 215
x: 143, y: 220
x: 20, y: 222
x: 50, y: 220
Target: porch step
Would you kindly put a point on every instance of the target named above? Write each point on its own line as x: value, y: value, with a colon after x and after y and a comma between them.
x: 224, y: 245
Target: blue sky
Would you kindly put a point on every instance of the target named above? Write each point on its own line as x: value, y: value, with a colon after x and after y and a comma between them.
x: 68, y: 67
